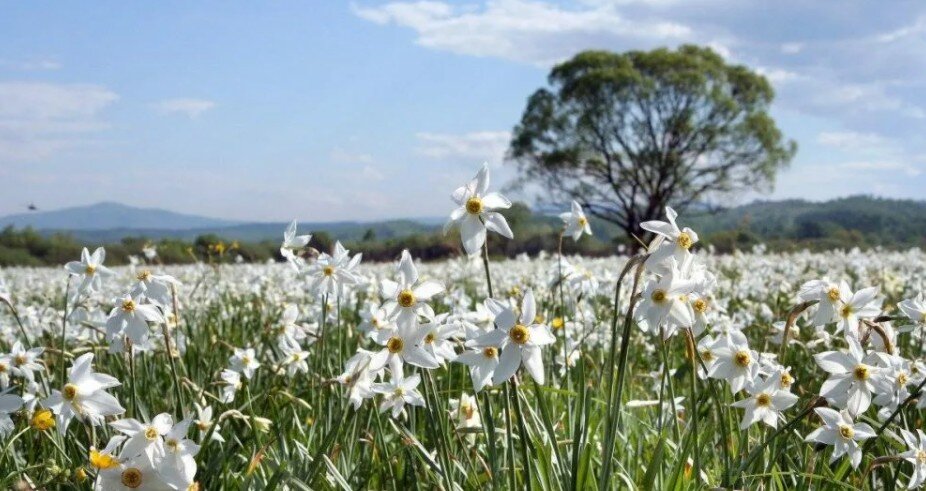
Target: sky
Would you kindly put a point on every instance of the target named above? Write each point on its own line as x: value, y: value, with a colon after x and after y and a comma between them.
x: 378, y: 109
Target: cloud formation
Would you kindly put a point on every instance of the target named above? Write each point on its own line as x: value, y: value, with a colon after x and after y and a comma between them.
x: 189, y: 107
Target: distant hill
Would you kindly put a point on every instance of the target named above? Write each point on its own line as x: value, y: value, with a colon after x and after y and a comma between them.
x: 111, y: 222
x: 109, y: 215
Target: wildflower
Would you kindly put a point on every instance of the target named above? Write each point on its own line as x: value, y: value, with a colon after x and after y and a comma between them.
x: 575, y: 222
x: 330, y: 273
x: 519, y: 340
x: 438, y: 338
x: 398, y: 392
x: 465, y: 411
x: 482, y: 363
x: 204, y: 422
x: 293, y: 357
x: 358, y: 377
x: 24, y: 362
x: 402, y: 345
x: 736, y: 363
x: 767, y: 401
x: 671, y: 241
x: 133, y: 473
x: 839, y: 431
x: 90, y: 270
x: 244, y: 361
x: 231, y: 383
x: 158, y: 288
x: 107, y: 458
x: 293, y: 243
x: 916, y: 455
x: 407, y: 297
x: 914, y: 309
x: 852, y: 377
x: 130, y: 318
x: 9, y: 403
x: 476, y: 212
x: 862, y: 304
x: 84, y: 396
x: 144, y: 438
x: 42, y: 420
x: 665, y: 302
x: 179, y: 465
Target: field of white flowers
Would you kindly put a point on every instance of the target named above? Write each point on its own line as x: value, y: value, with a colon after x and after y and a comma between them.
x: 672, y: 369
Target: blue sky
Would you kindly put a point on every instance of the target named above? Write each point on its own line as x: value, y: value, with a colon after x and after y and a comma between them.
x: 366, y: 110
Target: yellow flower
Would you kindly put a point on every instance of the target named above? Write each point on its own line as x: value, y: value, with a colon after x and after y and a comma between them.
x: 80, y: 475
x: 43, y: 419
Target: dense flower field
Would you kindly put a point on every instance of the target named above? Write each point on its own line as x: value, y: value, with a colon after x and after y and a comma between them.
x: 672, y: 369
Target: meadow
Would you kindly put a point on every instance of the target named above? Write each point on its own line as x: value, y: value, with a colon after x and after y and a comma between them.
x: 675, y: 368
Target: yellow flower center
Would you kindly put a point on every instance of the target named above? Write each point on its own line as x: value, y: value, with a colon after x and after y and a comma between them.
x: 172, y: 444
x: 407, y: 298
x: 583, y: 221
x: 921, y: 456
x: 467, y: 410
x: 19, y: 360
x: 902, y: 379
x: 742, y: 358
x: 3, y: 367
x: 846, y: 431
x: 763, y: 400
x: 786, y: 380
x: 145, y: 275
x: 399, y: 391
x: 43, y: 419
x: 846, y: 311
x: 202, y: 425
x: 861, y: 372
x: 128, y: 305
x: 131, y: 477
x: 490, y: 352
x: 833, y: 294
x: 707, y: 355
x: 557, y: 323
x: 69, y: 392
x: 699, y: 305
x: 328, y: 271
x: 395, y: 344
x: 684, y: 240
x: 430, y: 338
x: 151, y: 433
x: 90, y: 269
x: 659, y: 296
x: 474, y: 205
x: 102, y: 460
x: 80, y: 474
x: 519, y: 334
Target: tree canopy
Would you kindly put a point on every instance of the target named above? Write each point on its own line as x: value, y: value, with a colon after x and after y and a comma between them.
x: 626, y: 134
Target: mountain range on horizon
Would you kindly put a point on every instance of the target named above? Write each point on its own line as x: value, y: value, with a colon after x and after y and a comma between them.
x: 108, y: 222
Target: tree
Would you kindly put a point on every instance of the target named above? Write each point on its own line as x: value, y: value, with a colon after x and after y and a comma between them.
x: 627, y: 134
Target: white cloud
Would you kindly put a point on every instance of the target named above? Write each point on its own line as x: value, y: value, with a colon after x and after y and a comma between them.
x: 39, y: 120
x: 341, y: 156
x: 472, y: 147
x: 371, y: 174
x: 907, y: 169
x: 851, y: 139
x: 524, y: 30
x: 31, y: 65
x: 191, y: 108
x: 792, y: 48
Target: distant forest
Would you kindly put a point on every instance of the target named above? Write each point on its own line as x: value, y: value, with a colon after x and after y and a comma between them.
x: 791, y: 225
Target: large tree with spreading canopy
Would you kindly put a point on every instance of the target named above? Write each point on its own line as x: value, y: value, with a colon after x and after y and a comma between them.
x: 626, y: 134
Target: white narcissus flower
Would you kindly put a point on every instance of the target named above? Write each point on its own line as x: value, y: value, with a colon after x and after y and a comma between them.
x: 842, y: 433
x: 158, y: 288
x: 244, y: 361
x: 665, y: 303
x: 736, y: 363
x: 438, y: 338
x: 465, y: 411
x: 204, y: 421
x: 144, y: 438
x: 178, y: 467
x: 476, y: 212
x: 402, y: 345
x: 84, y: 396
x: 916, y: 455
x: 853, y: 376
x: 358, y: 377
x: 231, y: 382
x: 863, y: 304
x: 291, y: 244
x: 131, y: 474
x: 398, y: 392
x: 671, y: 241
x: 914, y: 309
x: 9, y: 403
x: 482, y: 363
x: 407, y: 298
x: 131, y: 318
x: 25, y: 361
x: 293, y: 357
x: 520, y: 341
x: 767, y: 401
x: 90, y: 269
x: 332, y: 272
x: 575, y: 222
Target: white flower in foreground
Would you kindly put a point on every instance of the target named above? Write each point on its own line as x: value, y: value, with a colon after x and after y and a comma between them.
x: 399, y: 392
x: 204, y: 421
x: 9, y: 403
x: 331, y: 272
x: 178, y: 467
x: 407, y: 298
x: 665, y: 303
x: 144, y: 438
x: 155, y: 287
x: 293, y: 357
x: 131, y: 318
x: 90, y: 269
x: 736, y: 363
x: 231, y: 382
x: 25, y: 361
x: 915, y: 309
x: 829, y: 296
x: 863, y: 304
x: 244, y: 361
x: 84, y: 395
x: 131, y: 474
x: 767, y: 401
x: 482, y: 363
x: 916, y: 455
x: 520, y: 341
x: 853, y: 376
x: 575, y: 222
x: 839, y: 431
x: 402, y: 345
x: 676, y: 242
x: 465, y: 411
x: 358, y: 377
x: 291, y: 244
x: 475, y: 214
